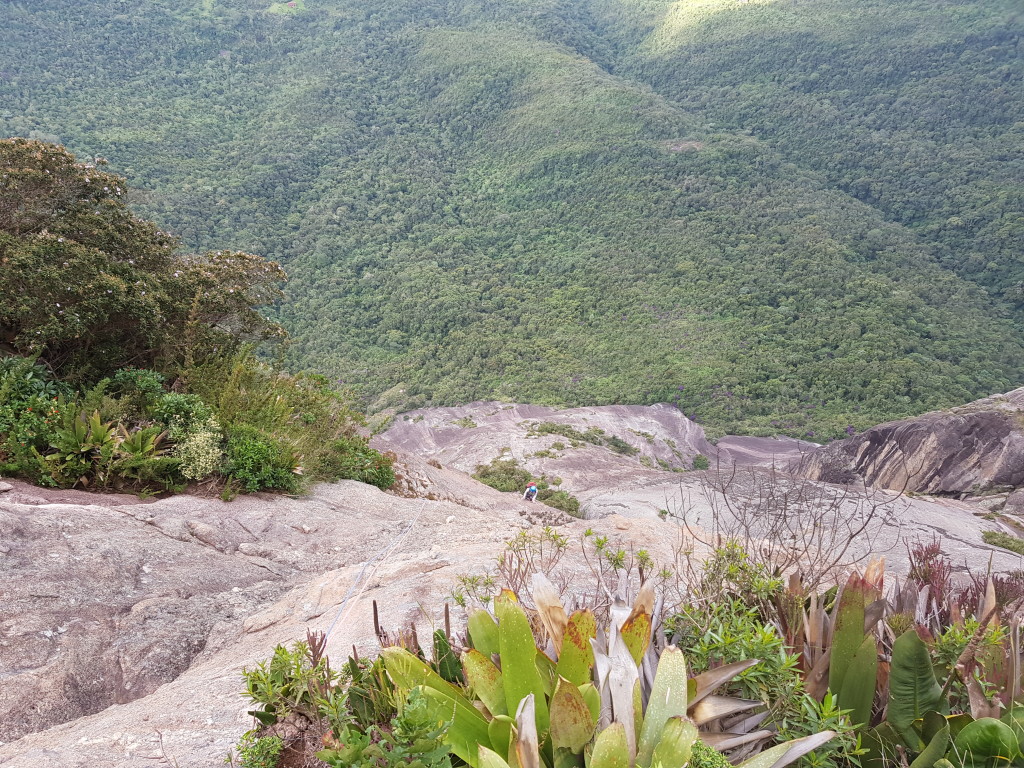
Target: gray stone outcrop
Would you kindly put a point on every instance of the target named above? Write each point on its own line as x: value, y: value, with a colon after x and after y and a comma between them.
x: 966, y: 450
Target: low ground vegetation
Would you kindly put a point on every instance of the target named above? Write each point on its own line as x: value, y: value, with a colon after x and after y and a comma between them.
x: 507, y: 475
x: 1004, y: 540
x: 924, y: 672
x: 129, y: 432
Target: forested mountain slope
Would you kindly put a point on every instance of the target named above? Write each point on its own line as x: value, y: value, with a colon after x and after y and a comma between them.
x: 913, y: 107
x: 570, y: 202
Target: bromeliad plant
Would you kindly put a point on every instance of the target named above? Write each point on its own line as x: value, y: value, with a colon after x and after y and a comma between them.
x: 589, y: 698
x: 85, y: 449
x: 871, y: 652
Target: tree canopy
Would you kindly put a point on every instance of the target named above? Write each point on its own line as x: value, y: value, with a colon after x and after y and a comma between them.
x: 89, y: 287
x: 783, y: 217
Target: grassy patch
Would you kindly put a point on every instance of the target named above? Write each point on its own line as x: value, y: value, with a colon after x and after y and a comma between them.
x: 1004, y: 540
x: 506, y: 475
x: 594, y: 436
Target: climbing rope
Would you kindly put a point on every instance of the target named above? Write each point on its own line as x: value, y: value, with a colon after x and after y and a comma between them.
x: 362, y: 580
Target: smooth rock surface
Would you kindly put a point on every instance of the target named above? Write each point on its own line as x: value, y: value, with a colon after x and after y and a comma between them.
x: 120, y: 617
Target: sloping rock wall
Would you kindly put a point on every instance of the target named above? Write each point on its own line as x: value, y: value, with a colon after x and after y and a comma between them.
x: 960, y: 451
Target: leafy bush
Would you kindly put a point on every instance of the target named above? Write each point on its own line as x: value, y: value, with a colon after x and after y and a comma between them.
x: 260, y: 462
x: 351, y: 458
x: 562, y: 500
x: 503, y: 475
x: 85, y: 448
x: 23, y: 377
x: 415, y: 739
x: 185, y: 412
x: 259, y: 751
x: 90, y: 288
x: 27, y: 428
x: 701, y: 462
x: 506, y: 475
x: 707, y: 757
x: 950, y: 645
x: 730, y: 631
x: 31, y: 408
x: 138, y: 388
x: 198, y: 450
x: 297, y: 680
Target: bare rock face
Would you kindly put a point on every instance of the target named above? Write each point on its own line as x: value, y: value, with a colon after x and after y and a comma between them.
x: 960, y: 451
x: 129, y: 642
x: 101, y: 607
x: 591, y: 450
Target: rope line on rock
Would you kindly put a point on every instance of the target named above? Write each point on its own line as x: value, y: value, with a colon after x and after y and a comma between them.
x: 376, y: 561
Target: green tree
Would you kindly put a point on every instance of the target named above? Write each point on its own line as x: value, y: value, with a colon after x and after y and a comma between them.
x: 90, y: 287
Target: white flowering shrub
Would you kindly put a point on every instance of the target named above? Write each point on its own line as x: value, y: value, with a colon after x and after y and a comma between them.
x: 198, y: 449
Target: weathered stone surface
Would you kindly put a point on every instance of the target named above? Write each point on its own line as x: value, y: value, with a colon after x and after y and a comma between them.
x: 1015, y: 503
x: 100, y: 608
x: 960, y: 451
x: 107, y: 630
x: 131, y: 621
x: 4, y: 487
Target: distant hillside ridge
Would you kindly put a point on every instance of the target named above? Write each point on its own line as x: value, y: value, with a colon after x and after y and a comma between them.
x: 783, y: 219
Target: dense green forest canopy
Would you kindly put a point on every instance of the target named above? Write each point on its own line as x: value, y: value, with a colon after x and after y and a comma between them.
x: 783, y: 216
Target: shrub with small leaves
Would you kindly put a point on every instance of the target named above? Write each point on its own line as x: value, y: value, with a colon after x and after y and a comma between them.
x: 352, y: 458
x: 503, y: 475
x: 199, y: 451
x: 414, y: 740
x: 142, y: 383
x: 562, y: 500
x: 259, y: 462
x: 259, y: 751
x: 183, y: 413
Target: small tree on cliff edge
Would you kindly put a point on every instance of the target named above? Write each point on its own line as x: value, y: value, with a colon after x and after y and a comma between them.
x: 90, y: 287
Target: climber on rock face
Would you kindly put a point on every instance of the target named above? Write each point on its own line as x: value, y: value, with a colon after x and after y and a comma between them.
x: 531, y: 492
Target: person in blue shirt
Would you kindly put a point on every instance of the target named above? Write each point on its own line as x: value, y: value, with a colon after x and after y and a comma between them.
x: 531, y: 492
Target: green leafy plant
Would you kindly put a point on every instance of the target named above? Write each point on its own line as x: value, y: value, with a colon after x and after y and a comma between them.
x: 547, y: 708
x: 503, y: 475
x: 351, y: 458
x: 183, y: 412
x: 259, y: 751
x: 371, y: 697
x: 198, y: 450
x: 506, y: 475
x: 415, y: 739
x: 297, y: 680
x: 730, y: 631
x: 260, y: 462
x: 85, y: 449
x: 142, y: 462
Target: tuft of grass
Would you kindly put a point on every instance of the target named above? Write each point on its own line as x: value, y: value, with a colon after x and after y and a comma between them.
x: 1004, y: 540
